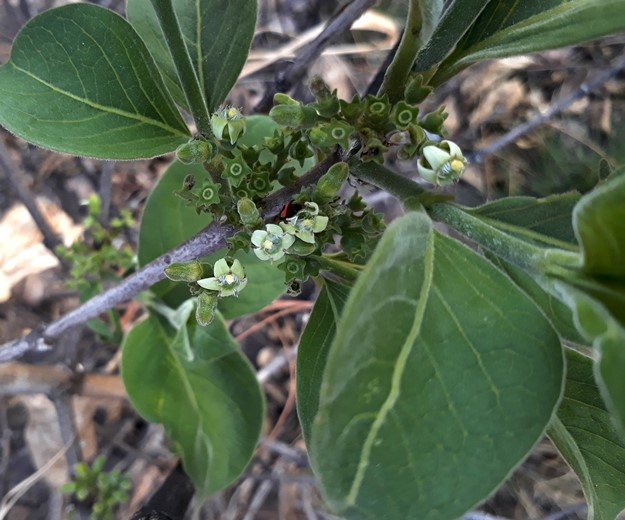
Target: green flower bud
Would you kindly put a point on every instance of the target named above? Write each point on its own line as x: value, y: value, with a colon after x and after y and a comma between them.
x: 283, y: 99
x: 318, y: 88
x: 275, y: 144
x: 300, y: 151
x: 260, y: 183
x: 404, y: 115
x: 331, y: 182
x: 228, y: 280
x: 433, y: 122
x: 351, y: 111
x: 228, y: 124
x: 373, y: 150
x: 327, y: 103
x: 206, y: 308
x: 196, y: 151
x: 441, y: 164
x: 294, y: 269
x: 248, y: 212
x: 271, y: 243
x: 235, y: 170
x: 189, y: 272
x: 416, y: 91
x: 294, y: 116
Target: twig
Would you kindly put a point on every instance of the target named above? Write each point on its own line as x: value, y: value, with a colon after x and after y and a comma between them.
x: 207, y: 241
x: 14, y: 174
x: 294, y: 73
x: 67, y: 426
x: 259, y: 499
x: 561, y: 105
x: 106, y: 180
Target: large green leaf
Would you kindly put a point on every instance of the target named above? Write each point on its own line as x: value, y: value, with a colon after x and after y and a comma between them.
x: 81, y: 81
x: 313, y: 349
x: 585, y: 436
x: 512, y: 27
x: 167, y: 222
x: 454, y: 22
x: 546, y: 222
x: 441, y: 377
x: 196, y: 382
x: 218, y: 34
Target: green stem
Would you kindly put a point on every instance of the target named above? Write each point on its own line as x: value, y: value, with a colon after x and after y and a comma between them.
x: 407, y: 191
x: 337, y: 267
x: 397, y: 74
x: 530, y: 258
x: 184, y: 67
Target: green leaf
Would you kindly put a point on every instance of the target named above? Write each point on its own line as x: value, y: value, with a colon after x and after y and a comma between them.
x: 584, y: 434
x: 313, y: 349
x: 599, y: 221
x: 167, y: 222
x: 509, y: 28
x: 455, y: 21
x: 436, y: 386
x: 546, y: 222
x: 559, y: 314
x: 431, y: 12
x: 218, y: 35
x: 81, y: 81
x: 196, y: 382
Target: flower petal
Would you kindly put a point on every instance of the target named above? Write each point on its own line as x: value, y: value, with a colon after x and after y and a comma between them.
x: 261, y: 254
x: 287, y: 241
x: 306, y: 236
x: 426, y: 173
x: 259, y: 236
x: 221, y: 267
x: 321, y: 222
x: 274, y: 229
x: 435, y: 156
x: 237, y: 269
x: 210, y: 283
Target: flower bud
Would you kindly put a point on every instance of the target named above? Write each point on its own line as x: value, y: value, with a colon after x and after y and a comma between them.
x: 352, y: 110
x: 196, y: 151
x: 331, y: 182
x: 327, y: 103
x: 283, y: 99
x: 433, y: 122
x: 294, y: 116
x: 300, y: 151
x: 248, y: 212
x: 189, y: 272
x: 416, y: 91
x: 206, y: 308
x: 441, y: 164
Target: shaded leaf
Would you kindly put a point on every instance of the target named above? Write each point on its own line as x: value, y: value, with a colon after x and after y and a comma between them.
x: 218, y: 34
x: 435, y: 386
x: 196, y: 382
x: 81, y: 81
x: 312, y: 352
x: 509, y: 28
x: 583, y: 433
x: 167, y: 222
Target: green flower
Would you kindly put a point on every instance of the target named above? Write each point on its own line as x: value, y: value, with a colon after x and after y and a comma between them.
x: 260, y: 182
x: 235, y: 170
x: 404, y: 115
x: 228, y: 280
x: 294, y: 269
x: 306, y: 223
x: 441, y: 164
x: 209, y: 194
x: 329, y: 134
x: 271, y: 243
x: 228, y: 124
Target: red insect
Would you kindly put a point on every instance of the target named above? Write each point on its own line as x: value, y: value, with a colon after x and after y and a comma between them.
x: 289, y: 210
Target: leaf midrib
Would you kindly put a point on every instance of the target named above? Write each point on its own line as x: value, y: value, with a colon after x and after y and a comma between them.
x: 103, y: 108
x: 398, y: 373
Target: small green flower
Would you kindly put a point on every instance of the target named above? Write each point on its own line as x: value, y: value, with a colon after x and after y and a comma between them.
x: 300, y: 151
x: 228, y: 124
x: 294, y: 269
x: 260, y: 183
x: 306, y: 223
x: 209, y: 194
x: 377, y: 110
x: 329, y: 134
x: 235, y: 170
x: 404, y: 115
x: 352, y: 110
x: 228, y: 280
x: 271, y: 243
x: 441, y: 164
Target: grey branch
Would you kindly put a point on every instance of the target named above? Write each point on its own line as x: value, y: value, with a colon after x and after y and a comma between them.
x: 209, y: 240
x: 561, y: 105
x: 296, y: 71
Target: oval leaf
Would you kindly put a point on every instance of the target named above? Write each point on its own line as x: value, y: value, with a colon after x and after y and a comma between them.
x: 313, y: 349
x: 167, y: 222
x: 435, y: 387
x: 218, y: 34
x: 587, y: 439
x: 196, y: 382
x: 81, y: 81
